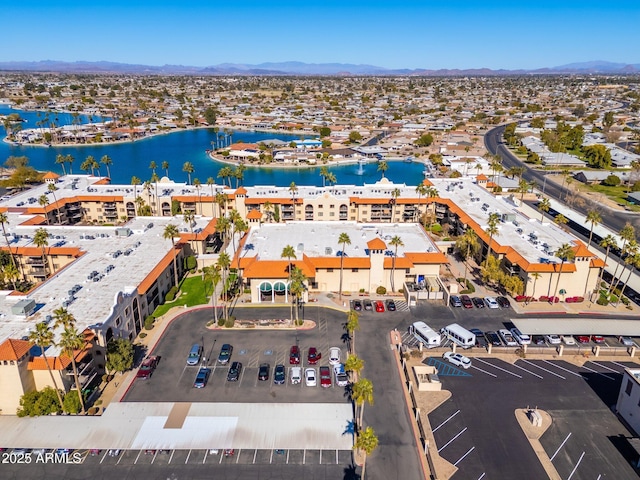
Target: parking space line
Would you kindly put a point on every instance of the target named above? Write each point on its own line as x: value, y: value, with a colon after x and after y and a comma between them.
x: 120, y: 457
x: 620, y: 365
x: 255, y: 454
x: 206, y: 452
x: 288, y: 456
x: 499, y: 368
x: 484, y: 371
x: 561, y: 445
x: 462, y: 457
x: 154, y: 456
x: 599, y: 373
x: 482, y: 476
x: 221, y: 457
x: 562, y: 368
x: 541, y: 368
x: 271, y: 456
x: 188, y: 455
x: 103, y: 456
x: 320, y: 461
x: 171, y: 456
x: 238, y: 455
x: 528, y: 371
x: 304, y: 456
x: 450, y: 441
x: 576, y: 467
x: 453, y: 415
x: 605, y: 367
x: 337, y: 461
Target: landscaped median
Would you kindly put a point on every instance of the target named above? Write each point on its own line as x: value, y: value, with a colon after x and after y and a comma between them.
x: 265, y: 324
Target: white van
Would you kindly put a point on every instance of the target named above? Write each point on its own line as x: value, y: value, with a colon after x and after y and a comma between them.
x: 296, y: 375
x: 425, y: 335
x: 521, y: 338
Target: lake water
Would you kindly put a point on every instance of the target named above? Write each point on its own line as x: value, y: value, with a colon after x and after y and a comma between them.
x: 133, y: 159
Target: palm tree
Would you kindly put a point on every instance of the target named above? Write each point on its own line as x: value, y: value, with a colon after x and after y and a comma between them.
x: 153, y: 165
x: 331, y: 178
x: 70, y: 342
x: 43, y: 200
x: 491, y: 230
x: 560, y: 220
x: 394, y: 198
x: 343, y: 240
x: 61, y: 160
x: 297, y: 288
x: 3, y: 220
x: 226, y: 173
x: 268, y: 210
x: 421, y: 190
x: 212, y: 273
x: 367, y: 441
x: 224, y: 262
x: 396, y: 241
x: 354, y: 365
x: 324, y: 171
x: 171, y: 231
x: 361, y: 392
x: 154, y: 179
x: 42, y: 336
x: 607, y: 242
x: 631, y: 251
x: 211, y: 182
x: 189, y: 169
x: 69, y: 159
x: 634, y: 262
x: 565, y: 252
x: 107, y: 162
x: 52, y: 188
x: 135, y: 181
x: 469, y: 243
x: 289, y: 252
x: 627, y: 234
x: 198, y: 185
x: 523, y: 187
x: 544, y: 206
x: 535, y: 276
x: 293, y: 190
x: 383, y: 167
x: 593, y: 217
x: 41, y: 239
x: 165, y: 167
x: 353, y: 324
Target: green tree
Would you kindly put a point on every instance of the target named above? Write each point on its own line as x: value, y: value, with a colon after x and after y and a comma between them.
x: 597, y: 156
x: 52, y: 188
x: 41, y: 240
x: 43, y: 201
x: 297, y: 288
x: 3, y: 221
x: 72, y: 403
x: 361, y: 392
x: 367, y: 442
x: 324, y: 172
x: 165, y: 167
x: 425, y: 140
x: 224, y: 262
x: 395, y: 193
x: 565, y: 253
x: 107, y: 162
x: 491, y: 230
x: 343, y: 240
x: 210, y: 115
x: 324, y: 131
x: 289, y: 252
x: 354, y: 136
x: 42, y: 336
x: 593, y: 217
x: 627, y: 233
x: 544, y: 206
x: 61, y: 160
x: 119, y: 355
x: 354, y: 364
x: 189, y: 169
x: 70, y: 342
x: 353, y: 324
x: 607, y: 243
x: 171, y: 232
x: 383, y: 167
x: 212, y: 274
x: 37, y: 403
x: 467, y: 246
x: 395, y: 242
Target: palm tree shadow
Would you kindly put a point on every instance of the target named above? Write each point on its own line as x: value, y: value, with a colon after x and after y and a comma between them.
x: 350, y: 473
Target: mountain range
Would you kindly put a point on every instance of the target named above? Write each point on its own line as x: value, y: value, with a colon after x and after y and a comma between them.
x: 301, y: 68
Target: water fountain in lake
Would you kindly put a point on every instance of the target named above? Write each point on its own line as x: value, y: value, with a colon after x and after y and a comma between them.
x: 361, y: 163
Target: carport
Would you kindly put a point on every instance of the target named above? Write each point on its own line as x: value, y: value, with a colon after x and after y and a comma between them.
x: 573, y: 326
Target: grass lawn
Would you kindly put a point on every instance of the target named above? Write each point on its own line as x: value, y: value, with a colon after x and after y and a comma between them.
x: 617, y: 194
x: 194, y: 291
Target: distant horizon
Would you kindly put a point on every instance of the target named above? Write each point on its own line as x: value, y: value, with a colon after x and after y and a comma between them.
x: 406, y: 34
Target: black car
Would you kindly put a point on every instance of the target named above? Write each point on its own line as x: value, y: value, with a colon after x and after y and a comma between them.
x: 234, y: 372
x: 263, y: 372
x: 225, y: 353
x: 202, y: 377
x: 368, y: 305
x: 537, y: 340
x: 493, y: 339
x: 357, y: 305
x: 481, y: 340
x: 279, y: 375
x: 391, y: 306
x: 503, y: 302
x: 478, y: 302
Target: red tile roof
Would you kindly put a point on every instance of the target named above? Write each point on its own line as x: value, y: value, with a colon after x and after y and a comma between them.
x: 12, y: 349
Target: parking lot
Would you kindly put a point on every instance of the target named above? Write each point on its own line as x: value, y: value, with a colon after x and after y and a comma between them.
x: 173, y: 379
x: 476, y: 429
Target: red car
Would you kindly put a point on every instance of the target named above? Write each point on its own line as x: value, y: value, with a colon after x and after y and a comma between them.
x: 582, y: 338
x: 466, y: 301
x: 148, y: 366
x: 294, y: 355
x: 597, y: 338
x: 325, y: 377
x: 379, y: 306
x: 313, y: 356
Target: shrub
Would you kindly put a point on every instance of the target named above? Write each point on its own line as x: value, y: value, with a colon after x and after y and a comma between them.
x: 190, y: 263
x: 148, y: 322
x: 171, y: 294
x: 625, y: 300
x: 611, y: 181
x: 221, y: 322
x: 381, y: 290
x: 602, y: 300
x: 230, y: 322
x: 143, y: 335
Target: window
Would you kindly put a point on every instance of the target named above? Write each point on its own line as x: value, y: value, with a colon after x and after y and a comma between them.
x: 329, y: 270
x: 628, y: 388
x: 354, y: 270
x: 332, y: 206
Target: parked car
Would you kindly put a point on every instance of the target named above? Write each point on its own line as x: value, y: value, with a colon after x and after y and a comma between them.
x: 455, y: 301
x: 494, y: 339
x: 334, y: 356
x: 379, y: 306
x: 202, y: 377
x: 357, y: 305
x: 225, y: 354
x: 507, y: 338
x: 313, y: 356
x: 521, y: 338
x: 466, y: 301
x: 234, y: 372
x: 294, y: 355
x: 367, y: 304
x: 503, y: 302
x: 538, y: 340
x: 149, y: 364
x: 552, y: 339
x: 582, y: 338
x: 626, y: 341
x: 194, y: 354
x: 310, y: 377
x: 457, y: 359
x: 568, y: 339
x: 597, y: 338
x: 478, y: 302
x: 481, y: 340
x: 342, y: 379
x: 491, y: 302
x: 279, y: 374
x: 391, y: 305
x: 263, y: 372
x: 295, y: 375
x: 325, y: 377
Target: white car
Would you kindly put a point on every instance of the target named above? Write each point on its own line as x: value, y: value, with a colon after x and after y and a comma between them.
x: 295, y: 375
x: 334, y: 356
x: 552, y: 339
x: 491, y: 302
x: 310, y: 377
x: 521, y: 338
x: 568, y: 339
x: 457, y: 359
x: 627, y: 341
x: 507, y: 338
x: 342, y: 379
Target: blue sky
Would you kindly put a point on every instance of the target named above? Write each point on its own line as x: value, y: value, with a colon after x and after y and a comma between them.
x: 394, y: 34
